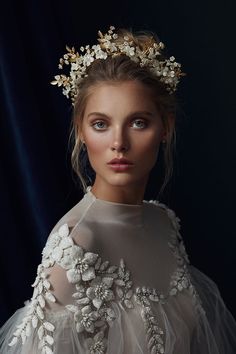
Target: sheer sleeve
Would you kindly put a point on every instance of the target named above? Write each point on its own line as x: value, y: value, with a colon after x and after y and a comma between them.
x: 47, y: 322
x: 216, y: 332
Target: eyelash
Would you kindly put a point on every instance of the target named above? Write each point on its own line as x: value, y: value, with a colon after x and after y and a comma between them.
x: 136, y: 120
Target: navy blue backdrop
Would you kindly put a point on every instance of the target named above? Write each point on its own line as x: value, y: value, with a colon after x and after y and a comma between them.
x: 37, y: 185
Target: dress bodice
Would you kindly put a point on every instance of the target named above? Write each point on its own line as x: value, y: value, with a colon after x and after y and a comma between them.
x: 114, y: 278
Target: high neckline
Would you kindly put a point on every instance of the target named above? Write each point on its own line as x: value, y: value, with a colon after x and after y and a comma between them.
x: 108, y: 210
x: 89, y: 190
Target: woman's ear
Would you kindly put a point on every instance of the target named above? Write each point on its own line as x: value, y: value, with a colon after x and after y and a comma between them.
x: 81, y: 137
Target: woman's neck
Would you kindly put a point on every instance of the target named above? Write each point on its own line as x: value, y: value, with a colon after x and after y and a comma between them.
x: 126, y: 194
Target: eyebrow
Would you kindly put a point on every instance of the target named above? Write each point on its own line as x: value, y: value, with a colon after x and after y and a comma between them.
x: 130, y: 115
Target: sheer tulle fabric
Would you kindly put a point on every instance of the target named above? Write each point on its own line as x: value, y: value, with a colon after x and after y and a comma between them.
x: 190, y: 325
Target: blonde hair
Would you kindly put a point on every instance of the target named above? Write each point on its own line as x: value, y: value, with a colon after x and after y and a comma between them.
x: 121, y: 69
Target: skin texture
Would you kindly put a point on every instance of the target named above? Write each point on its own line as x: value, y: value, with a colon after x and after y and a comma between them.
x: 122, y: 120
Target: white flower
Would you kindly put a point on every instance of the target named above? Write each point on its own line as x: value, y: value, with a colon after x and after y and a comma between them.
x: 98, y: 52
x: 99, y: 291
x: 107, y: 313
x: 82, y: 265
x: 97, y: 344
x: 88, y: 59
x: 85, y: 319
x: 52, y: 242
x: 127, y: 49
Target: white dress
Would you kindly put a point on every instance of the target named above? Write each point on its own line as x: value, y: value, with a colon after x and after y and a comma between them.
x: 115, y: 279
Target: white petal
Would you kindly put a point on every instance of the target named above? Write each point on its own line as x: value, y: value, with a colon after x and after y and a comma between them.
x: 49, y: 339
x: 35, y: 293
x: 90, y: 258
x: 34, y: 321
x: 112, y: 269
x: 40, y: 332
x: 88, y: 274
x: 13, y: 341
x: 17, y: 332
x: 66, y: 261
x: 36, y: 281
x: 119, y: 282
x: 41, y: 301
x: 40, y: 312
x: 40, y: 287
x: 57, y: 254
x: 104, y: 265
x: 97, y: 303
x: 108, y: 281
x: 77, y: 252
x: 46, y: 284
x: 86, y: 310
x: 46, y: 263
x: 84, y: 301
x: 66, y: 243
x: 64, y: 230
x: 73, y: 276
x: 50, y: 297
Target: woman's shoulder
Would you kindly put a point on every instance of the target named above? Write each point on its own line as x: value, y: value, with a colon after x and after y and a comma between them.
x: 157, y: 209
x: 69, y: 221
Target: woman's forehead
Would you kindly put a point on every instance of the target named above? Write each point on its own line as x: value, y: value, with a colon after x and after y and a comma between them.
x: 121, y: 95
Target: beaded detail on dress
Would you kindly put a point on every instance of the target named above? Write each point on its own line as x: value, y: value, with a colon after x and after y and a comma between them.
x: 98, y: 284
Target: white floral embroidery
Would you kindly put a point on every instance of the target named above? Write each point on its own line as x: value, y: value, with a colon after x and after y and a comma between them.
x: 154, y: 333
x: 124, y: 286
x: 35, y: 316
x: 181, y: 278
x: 97, y: 344
x: 97, y: 285
x: 99, y: 291
x: 179, y: 281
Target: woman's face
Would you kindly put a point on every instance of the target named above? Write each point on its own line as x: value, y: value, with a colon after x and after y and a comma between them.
x: 121, y: 120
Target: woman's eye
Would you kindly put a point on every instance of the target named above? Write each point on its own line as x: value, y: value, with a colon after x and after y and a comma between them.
x: 99, y: 125
x: 140, y: 124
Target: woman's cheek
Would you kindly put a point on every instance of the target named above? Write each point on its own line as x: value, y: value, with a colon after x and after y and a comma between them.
x: 96, y: 145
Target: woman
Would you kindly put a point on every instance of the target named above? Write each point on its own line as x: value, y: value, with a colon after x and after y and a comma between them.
x: 115, y: 276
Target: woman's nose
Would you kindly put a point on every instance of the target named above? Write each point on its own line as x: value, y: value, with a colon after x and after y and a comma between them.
x: 119, y: 141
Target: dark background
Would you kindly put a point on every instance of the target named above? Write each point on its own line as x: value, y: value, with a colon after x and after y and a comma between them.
x: 37, y: 185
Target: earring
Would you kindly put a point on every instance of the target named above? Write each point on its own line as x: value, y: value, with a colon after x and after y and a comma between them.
x: 84, y: 146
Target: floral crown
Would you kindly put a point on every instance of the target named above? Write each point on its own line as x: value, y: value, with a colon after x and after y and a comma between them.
x: 167, y: 70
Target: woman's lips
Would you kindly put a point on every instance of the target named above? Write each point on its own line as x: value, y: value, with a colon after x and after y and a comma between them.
x: 120, y: 166
x: 120, y: 161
